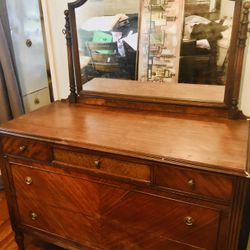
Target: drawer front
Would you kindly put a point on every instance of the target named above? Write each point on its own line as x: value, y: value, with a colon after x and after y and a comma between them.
x: 210, y: 185
x: 104, y: 164
x: 77, y: 194
x: 67, y: 224
x: 36, y: 100
x: 108, y: 233
x: 143, y: 219
x: 26, y: 148
x: 112, y: 215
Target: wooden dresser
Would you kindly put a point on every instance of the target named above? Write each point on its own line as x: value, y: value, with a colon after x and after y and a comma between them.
x: 89, y: 177
x: 125, y: 165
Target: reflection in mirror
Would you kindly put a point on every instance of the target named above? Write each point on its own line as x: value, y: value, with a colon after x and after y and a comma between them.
x: 108, y: 38
x: 185, y: 41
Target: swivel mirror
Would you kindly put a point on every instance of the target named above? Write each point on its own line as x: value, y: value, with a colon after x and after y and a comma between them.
x: 183, y: 52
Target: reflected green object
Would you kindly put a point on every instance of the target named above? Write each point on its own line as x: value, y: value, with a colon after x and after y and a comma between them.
x: 102, y: 37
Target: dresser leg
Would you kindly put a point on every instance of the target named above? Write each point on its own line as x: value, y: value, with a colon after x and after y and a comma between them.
x: 19, y: 237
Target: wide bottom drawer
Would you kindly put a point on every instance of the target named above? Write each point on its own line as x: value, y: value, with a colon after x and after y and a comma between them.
x: 102, y: 234
x: 134, y: 221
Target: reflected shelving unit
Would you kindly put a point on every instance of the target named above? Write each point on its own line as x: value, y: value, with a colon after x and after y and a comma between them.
x: 164, y: 20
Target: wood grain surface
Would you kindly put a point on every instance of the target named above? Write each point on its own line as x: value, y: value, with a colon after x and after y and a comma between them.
x: 212, y: 143
x: 7, y: 241
x: 102, y: 214
x: 152, y: 90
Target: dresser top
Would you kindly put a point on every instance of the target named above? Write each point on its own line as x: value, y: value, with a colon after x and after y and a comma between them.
x: 195, y: 141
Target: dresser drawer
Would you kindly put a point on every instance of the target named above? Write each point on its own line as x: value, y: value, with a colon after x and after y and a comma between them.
x: 103, y: 164
x: 26, y: 148
x: 70, y: 225
x: 128, y: 227
x: 111, y: 216
x: 196, y: 182
x: 79, y: 194
x: 142, y: 219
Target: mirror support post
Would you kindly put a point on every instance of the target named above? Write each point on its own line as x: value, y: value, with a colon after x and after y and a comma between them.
x: 67, y: 32
x: 234, y: 112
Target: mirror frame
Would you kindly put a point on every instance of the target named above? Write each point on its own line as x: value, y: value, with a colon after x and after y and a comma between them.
x: 228, y: 108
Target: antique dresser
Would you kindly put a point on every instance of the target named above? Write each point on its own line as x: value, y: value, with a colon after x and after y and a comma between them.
x: 127, y: 165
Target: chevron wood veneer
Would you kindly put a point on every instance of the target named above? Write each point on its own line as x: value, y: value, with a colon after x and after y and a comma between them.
x: 7, y: 241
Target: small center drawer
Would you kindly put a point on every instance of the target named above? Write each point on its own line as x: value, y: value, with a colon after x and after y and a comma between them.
x: 26, y: 148
x: 196, y: 182
x: 105, y: 164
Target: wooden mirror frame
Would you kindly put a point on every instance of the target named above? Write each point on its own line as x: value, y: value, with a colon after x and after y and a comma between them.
x: 228, y: 108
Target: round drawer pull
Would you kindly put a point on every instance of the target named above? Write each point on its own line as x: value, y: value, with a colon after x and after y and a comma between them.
x: 36, y: 101
x: 34, y: 216
x: 97, y: 164
x: 28, y: 180
x: 28, y: 43
x: 189, y: 221
x: 22, y: 148
x: 191, y: 184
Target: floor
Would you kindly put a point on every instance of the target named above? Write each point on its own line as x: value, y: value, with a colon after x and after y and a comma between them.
x: 7, y: 241
x: 6, y: 235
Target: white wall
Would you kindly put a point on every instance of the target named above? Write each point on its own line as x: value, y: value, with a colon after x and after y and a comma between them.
x: 245, y: 88
x: 106, y: 7
x: 227, y: 7
x: 54, y: 23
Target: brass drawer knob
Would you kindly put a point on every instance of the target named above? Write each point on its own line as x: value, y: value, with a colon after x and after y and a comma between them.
x: 28, y: 180
x: 189, y: 221
x: 97, y: 164
x: 34, y: 216
x: 22, y: 148
x: 36, y: 101
x: 191, y: 184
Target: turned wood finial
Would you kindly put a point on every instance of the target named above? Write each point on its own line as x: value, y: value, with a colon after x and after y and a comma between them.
x: 66, y: 30
x: 68, y: 36
x: 242, y: 38
x: 244, y: 24
x: 246, y: 5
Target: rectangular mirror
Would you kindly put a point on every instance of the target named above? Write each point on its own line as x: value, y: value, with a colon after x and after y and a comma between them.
x: 160, y: 43
x: 180, y: 41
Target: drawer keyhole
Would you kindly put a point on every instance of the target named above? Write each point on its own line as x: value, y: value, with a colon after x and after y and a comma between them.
x: 97, y: 164
x: 191, y: 184
x: 28, y: 180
